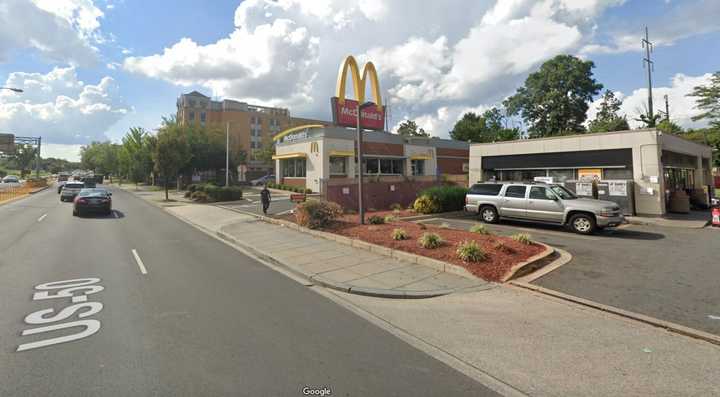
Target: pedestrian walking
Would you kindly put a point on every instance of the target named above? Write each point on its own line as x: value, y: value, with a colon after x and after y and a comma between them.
x: 265, y: 198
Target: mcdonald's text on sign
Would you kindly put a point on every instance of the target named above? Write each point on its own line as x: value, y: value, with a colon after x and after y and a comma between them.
x: 371, y: 117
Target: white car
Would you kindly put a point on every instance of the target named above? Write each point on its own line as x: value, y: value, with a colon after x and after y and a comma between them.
x: 10, y: 181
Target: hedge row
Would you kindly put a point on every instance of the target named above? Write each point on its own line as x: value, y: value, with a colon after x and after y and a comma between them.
x: 215, y: 193
x: 441, y: 199
x: 296, y: 189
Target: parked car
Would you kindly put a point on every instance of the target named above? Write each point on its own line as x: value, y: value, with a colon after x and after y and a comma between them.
x: 263, y: 180
x: 89, y: 182
x: 11, y: 179
x: 543, y: 203
x: 92, y: 200
x: 70, y: 190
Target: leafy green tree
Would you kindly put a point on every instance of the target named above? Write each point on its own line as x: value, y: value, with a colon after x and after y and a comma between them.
x: 488, y: 127
x: 554, y: 100
x: 265, y: 153
x: 669, y: 127
x: 135, y: 155
x: 607, y: 118
x: 101, y: 157
x: 24, y: 158
x: 708, y: 101
x: 172, y: 152
x: 410, y: 128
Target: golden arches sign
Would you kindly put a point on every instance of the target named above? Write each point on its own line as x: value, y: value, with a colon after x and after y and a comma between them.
x: 359, y: 81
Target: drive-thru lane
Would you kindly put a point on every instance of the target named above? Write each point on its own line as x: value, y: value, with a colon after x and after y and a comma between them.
x: 179, y: 313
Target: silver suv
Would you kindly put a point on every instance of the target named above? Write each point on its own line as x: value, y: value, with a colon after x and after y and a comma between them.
x: 539, y: 202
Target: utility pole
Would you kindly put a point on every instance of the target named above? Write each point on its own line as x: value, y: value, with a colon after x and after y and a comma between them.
x: 649, y: 64
x: 361, y: 209
x: 37, y: 160
x: 667, y: 109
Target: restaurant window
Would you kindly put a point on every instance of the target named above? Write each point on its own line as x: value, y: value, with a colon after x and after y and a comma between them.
x: 383, y: 166
x: 338, y: 165
x: 617, y: 173
x: 293, y: 168
x: 203, y: 116
x: 417, y: 167
x: 192, y: 116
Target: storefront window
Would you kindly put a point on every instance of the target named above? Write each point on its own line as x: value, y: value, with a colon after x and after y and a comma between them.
x: 338, y: 166
x: 561, y: 176
x: 293, y: 168
x: 417, y: 167
x: 383, y: 166
x: 617, y: 173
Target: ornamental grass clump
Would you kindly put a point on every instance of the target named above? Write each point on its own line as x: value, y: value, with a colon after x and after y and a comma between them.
x: 470, y: 251
x: 376, y: 220
x: 390, y: 218
x: 522, y: 238
x: 430, y: 240
x: 479, y: 228
x: 399, y: 234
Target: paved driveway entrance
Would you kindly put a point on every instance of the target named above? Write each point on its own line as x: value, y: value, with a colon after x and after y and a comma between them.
x: 669, y: 273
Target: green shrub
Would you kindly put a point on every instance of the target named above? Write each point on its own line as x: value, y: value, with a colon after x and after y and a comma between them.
x: 188, y: 193
x: 308, y: 191
x: 316, y: 214
x: 449, y: 198
x: 479, y: 228
x: 470, y: 251
x: 426, y: 205
x: 399, y: 234
x: 224, y: 193
x: 199, y: 196
x: 390, y: 218
x: 430, y: 240
x: 522, y: 238
x: 395, y: 207
x: 191, y: 187
x: 376, y: 220
x: 444, y: 225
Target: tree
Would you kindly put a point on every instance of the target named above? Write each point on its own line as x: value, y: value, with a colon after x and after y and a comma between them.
x: 24, y: 157
x: 554, y: 100
x: 135, y: 155
x: 172, y: 152
x: 488, y: 127
x: 410, y: 128
x: 669, y: 127
x: 265, y: 153
x: 708, y: 101
x: 706, y: 136
x: 607, y: 118
x: 101, y: 157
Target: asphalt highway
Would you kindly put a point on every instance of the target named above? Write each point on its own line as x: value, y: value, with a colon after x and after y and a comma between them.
x: 158, y: 308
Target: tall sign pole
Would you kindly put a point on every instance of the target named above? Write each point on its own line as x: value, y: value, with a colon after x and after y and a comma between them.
x: 37, y: 160
x: 227, y: 154
x: 647, y: 62
x: 361, y: 209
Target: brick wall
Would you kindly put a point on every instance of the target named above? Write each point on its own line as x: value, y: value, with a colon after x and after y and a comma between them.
x: 377, y: 195
x: 293, y: 181
x: 385, y: 149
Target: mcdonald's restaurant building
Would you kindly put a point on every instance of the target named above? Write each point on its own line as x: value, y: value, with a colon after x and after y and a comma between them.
x: 323, y: 159
x: 395, y: 168
x: 644, y: 171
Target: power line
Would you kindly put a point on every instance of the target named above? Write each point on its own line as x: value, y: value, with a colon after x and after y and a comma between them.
x: 650, y: 65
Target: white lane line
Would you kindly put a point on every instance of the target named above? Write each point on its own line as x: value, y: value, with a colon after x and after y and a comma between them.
x: 139, y: 261
x: 42, y: 217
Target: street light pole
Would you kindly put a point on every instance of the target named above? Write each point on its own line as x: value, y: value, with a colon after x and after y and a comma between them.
x: 37, y: 160
x: 11, y: 89
x: 227, y: 155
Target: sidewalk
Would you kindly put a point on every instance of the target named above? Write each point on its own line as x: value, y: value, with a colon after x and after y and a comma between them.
x: 325, y: 262
x: 692, y: 220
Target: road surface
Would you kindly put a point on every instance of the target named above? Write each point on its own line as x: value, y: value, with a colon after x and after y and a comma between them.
x: 161, y: 309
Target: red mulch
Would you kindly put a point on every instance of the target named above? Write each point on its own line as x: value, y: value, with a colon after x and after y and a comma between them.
x: 495, y: 266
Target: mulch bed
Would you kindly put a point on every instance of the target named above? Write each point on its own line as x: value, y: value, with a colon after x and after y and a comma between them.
x: 497, y: 264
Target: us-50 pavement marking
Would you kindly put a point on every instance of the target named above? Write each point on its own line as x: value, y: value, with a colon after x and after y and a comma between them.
x: 80, y: 306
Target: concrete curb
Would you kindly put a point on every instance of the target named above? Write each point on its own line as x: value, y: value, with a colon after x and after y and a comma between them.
x: 379, y: 293
x: 669, y: 326
x: 532, y: 260
x: 565, y: 257
x: 18, y: 198
x: 648, y: 223
x: 39, y: 190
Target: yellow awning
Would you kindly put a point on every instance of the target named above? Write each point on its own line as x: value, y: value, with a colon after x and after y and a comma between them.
x: 289, y: 156
x: 421, y: 157
x: 342, y: 153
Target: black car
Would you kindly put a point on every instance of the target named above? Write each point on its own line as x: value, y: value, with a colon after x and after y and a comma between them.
x: 92, y: 200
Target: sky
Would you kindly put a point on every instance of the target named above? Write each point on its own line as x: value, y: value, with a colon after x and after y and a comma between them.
x: 91, y: 69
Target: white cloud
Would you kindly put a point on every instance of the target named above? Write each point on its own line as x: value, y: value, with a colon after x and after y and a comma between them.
x: 682, y: 107
x: 60, y: 30
x: 59, y: 107
x: 60, y: 151
x: 430, y: 55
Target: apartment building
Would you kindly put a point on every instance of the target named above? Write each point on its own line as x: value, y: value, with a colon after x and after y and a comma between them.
x: 251, y: 126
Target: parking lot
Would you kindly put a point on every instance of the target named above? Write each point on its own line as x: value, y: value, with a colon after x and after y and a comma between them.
x: 669, y: 273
